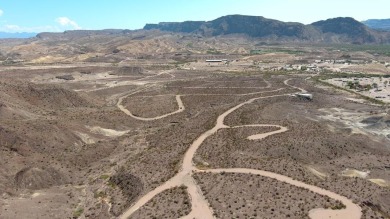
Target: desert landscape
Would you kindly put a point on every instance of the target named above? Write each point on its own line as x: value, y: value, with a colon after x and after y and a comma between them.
x: 154, y: 124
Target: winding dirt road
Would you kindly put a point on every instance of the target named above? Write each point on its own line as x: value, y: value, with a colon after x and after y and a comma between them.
x: 123, y: 109
x: 298, y: 88
x: 180, y: 104
x: 200, y: 206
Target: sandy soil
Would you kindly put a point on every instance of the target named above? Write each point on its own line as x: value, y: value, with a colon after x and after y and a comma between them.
x: 121, y: 163
x: 106, y: 132
x: 172, y: 203
x: 179, y: 103
x: 199, y: 204
x: 42, y: 204
x: 234, y: 195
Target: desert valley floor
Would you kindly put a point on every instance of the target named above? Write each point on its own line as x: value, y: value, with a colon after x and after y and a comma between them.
x: 118, y: 141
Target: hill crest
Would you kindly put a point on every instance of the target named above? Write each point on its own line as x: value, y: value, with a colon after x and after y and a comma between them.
x: 341, y: 29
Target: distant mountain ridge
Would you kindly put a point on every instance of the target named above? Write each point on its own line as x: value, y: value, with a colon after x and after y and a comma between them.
x: 232, y: 24
x: 335, y: 30
x: 332, y: 30
x: 378, y: 24
x: 353, y: 29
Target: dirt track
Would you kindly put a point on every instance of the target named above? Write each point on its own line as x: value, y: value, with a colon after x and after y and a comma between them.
x: 123, y: 109
x: 200, y: 207
x: 189, y: 130
x: 87, y: 133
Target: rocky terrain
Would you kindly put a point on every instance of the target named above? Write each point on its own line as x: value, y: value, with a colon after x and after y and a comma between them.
x: 117, y: 124
x: 173, y: 203
x: 330, y: 31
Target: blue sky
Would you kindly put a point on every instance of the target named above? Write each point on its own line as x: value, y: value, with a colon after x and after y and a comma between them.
x: 60, y: 15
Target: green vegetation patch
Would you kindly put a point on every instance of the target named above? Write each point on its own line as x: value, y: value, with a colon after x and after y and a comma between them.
x: 381, y: 49
x: 213, y: 51
x: 78, y: 212
x: 104, y: 177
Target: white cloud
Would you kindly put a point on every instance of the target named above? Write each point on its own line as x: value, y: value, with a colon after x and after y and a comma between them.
x: 11, y: 28
x: 66, y: 22
x: 1, y: 12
